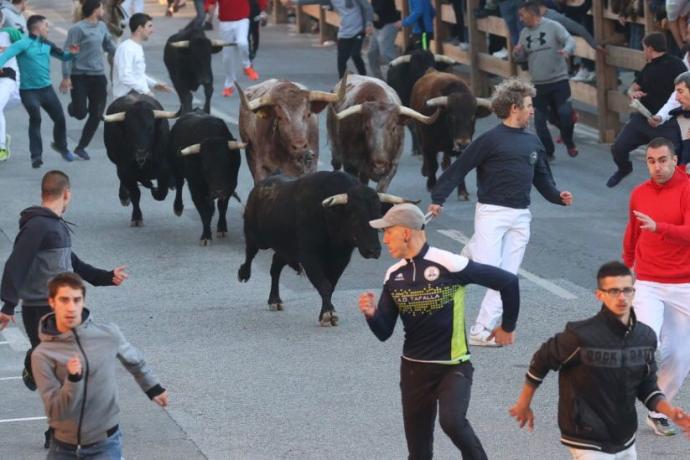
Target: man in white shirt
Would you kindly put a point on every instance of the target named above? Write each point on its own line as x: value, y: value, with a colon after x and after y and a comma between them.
x: 129, y: 65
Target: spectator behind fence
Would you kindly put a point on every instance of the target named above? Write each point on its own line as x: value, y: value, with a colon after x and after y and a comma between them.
x: 77, y: 354
x: 652, y: 87
x: 382, y: 44
x: 509, y: 13
x: 421, y: 19
x: 546, y: 45
x: 356, y: 19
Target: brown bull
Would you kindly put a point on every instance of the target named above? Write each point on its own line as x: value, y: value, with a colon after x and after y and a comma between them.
x: 454, y: 128
x: 366, y: 130
x: 279, y: 125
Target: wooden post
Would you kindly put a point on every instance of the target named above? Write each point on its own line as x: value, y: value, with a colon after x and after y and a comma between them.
x: 607, y: 79
x: 279, y: 13
x: 404, y: 12
x: 439, y: 29
x: 478, y: 80
x: 301, y: 19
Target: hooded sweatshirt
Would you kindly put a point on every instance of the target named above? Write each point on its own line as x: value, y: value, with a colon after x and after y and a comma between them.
x: 662, y: 256
x: 540, y: 46
x: 81, y: 409
x: 42, y: 249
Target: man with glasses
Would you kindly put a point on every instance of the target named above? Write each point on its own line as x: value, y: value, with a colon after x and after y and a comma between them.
x: 605, y: 363
x: 657, y: 247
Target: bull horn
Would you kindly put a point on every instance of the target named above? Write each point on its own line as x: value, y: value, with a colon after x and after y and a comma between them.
x: 441, y: 101
x: 157, y: 114
x: 400, y: 60
x: 349, y: 111
x: 180, y: 44
x: 484, y: 102
x: 408, y: 112
x: 324, y: 96
x: 445, y: 59
x: 194, y: 148
x: 243, y: 97
x: 233, y: 145
x: 340, y: 198
x: 394, y: 199
x: 119, y: 116
x: 216, y: 42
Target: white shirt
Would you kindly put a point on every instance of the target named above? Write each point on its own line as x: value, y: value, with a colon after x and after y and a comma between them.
x: 129, y: 70
x: 672, y: 103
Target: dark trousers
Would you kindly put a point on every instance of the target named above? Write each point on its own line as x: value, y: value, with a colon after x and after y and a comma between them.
x: 458, y: 9
x: 31, y: 317
x: 638, y: 132
x: 254, y: 38
x: 553, y: 99
x: 35, y: 99
x: 430, y: 388
x: 89, y: 93
x: 350, y: 48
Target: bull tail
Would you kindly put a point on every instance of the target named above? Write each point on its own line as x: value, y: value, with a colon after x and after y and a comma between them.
x: 237, y: 197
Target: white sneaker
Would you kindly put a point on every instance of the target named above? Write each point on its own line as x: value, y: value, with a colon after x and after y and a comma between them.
x: 479, y: 337
x: 660, y: 426
x: 501, y: 54
x: 581, y: 75
x: 464, y: 46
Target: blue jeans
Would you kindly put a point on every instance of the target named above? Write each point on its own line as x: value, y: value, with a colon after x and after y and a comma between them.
x: 509, y: 13
x: 45, y: 98
x: 108, y: 449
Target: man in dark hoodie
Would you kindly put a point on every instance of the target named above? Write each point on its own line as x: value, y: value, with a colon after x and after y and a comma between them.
x: 75, y: 371
x: 42, y: 249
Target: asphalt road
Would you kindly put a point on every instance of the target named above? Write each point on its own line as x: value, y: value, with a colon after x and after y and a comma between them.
x: 247, y: 383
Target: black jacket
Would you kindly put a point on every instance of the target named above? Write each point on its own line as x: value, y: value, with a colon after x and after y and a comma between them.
x: 384, y: 12
x: 603, y: 367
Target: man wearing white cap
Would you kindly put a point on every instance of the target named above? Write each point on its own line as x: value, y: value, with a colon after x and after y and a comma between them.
x: 426, y: 288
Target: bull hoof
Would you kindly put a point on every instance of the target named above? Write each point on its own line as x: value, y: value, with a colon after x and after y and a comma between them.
x: 125, y: 201
x: 244, y: 273
x: 137, y: 223
x: 463, y: 196
x: 221, y: 234
x: 328, y: 319
x: 204, y: 242
x: 178, y: 212
x: 275, y: 306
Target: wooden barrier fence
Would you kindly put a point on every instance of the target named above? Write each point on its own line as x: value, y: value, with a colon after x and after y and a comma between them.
x: 604, y: 101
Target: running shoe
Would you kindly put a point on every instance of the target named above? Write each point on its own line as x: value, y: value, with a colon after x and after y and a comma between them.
x: 81, y: 153
x: 479, y: 337
x: 28, y: 379
x: 4, y: 155
x: 251, y: 73
x: 37, y: 163
x: 63, y: 151
x: 660, y: 426
x: 227, y: 91
x: 617, y: 177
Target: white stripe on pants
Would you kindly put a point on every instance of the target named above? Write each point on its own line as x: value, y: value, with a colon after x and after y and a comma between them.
x: 500, y: 239
x: 581, y: 454
x: 9, y: 97
x: 665, y: 307
x: 234, y: 32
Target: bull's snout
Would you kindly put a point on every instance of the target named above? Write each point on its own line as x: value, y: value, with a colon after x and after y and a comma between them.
x: 380, y: 167
x: 299, y: 147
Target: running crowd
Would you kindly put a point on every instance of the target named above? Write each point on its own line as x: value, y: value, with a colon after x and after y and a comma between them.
x: 606, y: 362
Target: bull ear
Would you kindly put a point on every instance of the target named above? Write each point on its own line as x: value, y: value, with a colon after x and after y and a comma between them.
x: 483, y: 108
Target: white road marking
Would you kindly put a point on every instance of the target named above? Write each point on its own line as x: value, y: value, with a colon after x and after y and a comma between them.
x: 10, y: 378
x: 4, y: 343
x: 457, y: 235
x: 16, y: 340
x: 25, y: 419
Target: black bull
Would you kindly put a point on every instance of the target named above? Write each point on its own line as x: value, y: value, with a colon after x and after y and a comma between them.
x: 312, y: 223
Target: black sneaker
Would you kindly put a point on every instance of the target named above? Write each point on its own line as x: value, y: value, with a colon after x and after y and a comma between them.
x: 48, y: 434
x: 63, y: 151
x: 28, y: 379
x: 617, y: 177
x: 36, y: 163
x: 81, y: 153
x: 660, y: 426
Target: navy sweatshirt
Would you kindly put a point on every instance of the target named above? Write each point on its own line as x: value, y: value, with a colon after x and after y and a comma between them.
x: 508, y: 161
x: 42, y: 249
x: 428, y: 293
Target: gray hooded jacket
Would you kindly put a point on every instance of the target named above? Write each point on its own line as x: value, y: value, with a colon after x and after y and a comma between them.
x: 82, y: 409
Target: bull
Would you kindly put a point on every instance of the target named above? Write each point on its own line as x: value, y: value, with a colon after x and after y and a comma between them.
x: 366, y: 130
x: 454, y: 128
x: 311, y: 223
x: 205, y: 154
x: 187, y: 56
x: 404, y: 71
x: 278, y: 123
x: 136, y: 134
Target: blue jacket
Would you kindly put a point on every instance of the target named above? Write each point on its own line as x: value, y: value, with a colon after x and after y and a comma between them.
x: 421, y: 14
x: 33, y: 57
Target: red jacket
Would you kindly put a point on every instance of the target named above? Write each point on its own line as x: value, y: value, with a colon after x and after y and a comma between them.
x: 233, y: 10
x: 662, y: 256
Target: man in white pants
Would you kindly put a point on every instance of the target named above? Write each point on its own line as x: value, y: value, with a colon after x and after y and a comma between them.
x: 9, y: 91
x: 233, y: 26
x: 657, y: 246
x: 509, y: 159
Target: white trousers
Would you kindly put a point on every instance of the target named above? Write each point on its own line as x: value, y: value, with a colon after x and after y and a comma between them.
x: 665, y: 307
x: 9, y: 97
x: 234, y: 32
x: 581, y: 454
x: 138, y: 6
x: 500, y: 239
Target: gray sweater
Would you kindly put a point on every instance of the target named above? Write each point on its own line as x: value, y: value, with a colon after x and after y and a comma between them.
x: 540, y: 46
x: 355, y: 16
x: 97, y: 346
x: 93, y: 39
